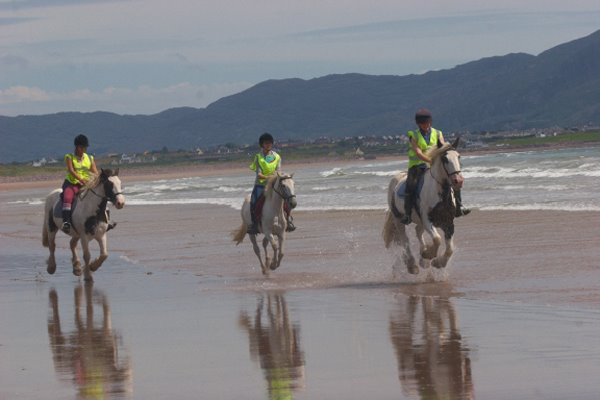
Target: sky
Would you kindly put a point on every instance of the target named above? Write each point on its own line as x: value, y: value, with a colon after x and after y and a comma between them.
x: 146, y: 56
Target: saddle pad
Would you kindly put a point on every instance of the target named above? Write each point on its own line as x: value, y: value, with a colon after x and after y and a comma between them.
x: 401, y: 188
x: 57, y: 211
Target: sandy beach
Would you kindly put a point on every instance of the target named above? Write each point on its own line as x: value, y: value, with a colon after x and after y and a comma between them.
x: 179, y: 311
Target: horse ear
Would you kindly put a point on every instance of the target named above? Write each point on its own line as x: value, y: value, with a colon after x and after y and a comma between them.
x: 456, y: 142
x: 292, y: 175
x: 439, y: 144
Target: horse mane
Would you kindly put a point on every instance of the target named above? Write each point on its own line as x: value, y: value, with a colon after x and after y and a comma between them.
x: 92, y: 182
x: 436, y: 152
x: 270, y: 185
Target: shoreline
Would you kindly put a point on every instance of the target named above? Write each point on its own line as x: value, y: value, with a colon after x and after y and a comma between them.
x: 176, y: 171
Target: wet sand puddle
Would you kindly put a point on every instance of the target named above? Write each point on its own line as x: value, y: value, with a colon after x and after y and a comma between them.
x: 156, y: 334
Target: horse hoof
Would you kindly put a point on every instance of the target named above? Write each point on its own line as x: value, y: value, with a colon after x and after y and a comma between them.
x: 413, y: 269
x: 437, y: 264
x: 51, y: 269
x: 76, y: 271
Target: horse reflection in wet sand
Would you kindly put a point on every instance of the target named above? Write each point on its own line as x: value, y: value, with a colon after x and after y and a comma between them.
x: 435, y: 208
x: 275, y: 342
x: 90, y: 355
x: 433, y: 361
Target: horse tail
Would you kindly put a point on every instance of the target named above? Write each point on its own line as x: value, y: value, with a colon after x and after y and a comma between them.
x: 47, y: 215
x: 45, y: 242
x: 390, y: 234
x: 238, y: 235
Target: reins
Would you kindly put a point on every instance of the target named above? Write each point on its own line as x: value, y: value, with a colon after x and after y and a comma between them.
x: 448, y: 174
x: 111, y: 198
x: 285, y: 197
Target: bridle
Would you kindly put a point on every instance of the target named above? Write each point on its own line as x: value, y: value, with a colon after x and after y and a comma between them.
x: 448, y: 174
x: 107, y: 188
x: 284, y: 196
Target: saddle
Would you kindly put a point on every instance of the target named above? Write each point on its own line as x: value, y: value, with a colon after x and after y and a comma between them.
x: 57, y: 211
x: 401, y: 188
x: 260, y: 202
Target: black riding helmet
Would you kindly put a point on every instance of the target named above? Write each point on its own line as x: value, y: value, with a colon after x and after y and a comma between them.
x: 82, y: 140
x: 265, y: 137
x: 422, y: 115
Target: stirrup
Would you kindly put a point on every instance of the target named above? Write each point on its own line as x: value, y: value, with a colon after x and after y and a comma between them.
x: 111, y: 225
x: 290, y: 227
x: 460, y: 211
x: 66, y: 227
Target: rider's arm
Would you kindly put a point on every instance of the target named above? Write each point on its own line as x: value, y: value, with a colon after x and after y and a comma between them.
x: 93, y: 168
x: 419, y: 152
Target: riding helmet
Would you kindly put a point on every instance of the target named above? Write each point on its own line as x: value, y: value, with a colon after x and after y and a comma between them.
x: 422, y: 115
x: 82, y: 140
x: 265, y: 137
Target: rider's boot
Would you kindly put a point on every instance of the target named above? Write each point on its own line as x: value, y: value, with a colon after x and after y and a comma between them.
x: 460, y: 210
x: 408, y: 205
x: 290, y: 224
x: 66, y: 226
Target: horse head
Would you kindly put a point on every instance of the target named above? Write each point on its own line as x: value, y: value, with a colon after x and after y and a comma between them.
x: 449, y: 158
x: 112, y: 187
x: 284, y: 187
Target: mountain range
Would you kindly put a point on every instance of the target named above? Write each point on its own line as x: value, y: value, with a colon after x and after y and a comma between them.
x: 558, y: 87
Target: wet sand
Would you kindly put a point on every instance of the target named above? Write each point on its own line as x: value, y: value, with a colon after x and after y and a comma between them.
x: 179, y: 311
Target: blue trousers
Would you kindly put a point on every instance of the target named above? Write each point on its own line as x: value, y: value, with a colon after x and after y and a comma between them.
x: 256, y: 193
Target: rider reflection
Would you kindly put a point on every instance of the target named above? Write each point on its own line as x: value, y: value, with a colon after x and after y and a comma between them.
x: 89, y: 355
x: 275, y: 343
x: 433, y: 361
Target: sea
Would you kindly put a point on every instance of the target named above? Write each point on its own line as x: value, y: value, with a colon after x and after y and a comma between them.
x: 558, y: 179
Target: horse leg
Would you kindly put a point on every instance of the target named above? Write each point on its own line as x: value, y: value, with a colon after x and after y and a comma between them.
x: 257, y: 252
x: 278, y: 249
x: 52, y: 248
x: 404, y: 242
x: 430, y: 252
x: 97, y: 263
x: 442, y: 261
x: 87, y: 274
x: 281, y: 246
x: 75, y: 258
x: 266, y: 240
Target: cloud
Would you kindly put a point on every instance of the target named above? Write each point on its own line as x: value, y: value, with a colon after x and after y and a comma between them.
x: 19, y: 94
x: 122, y: 100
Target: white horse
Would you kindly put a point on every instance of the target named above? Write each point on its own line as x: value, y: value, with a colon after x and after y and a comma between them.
x: 273, y: 223
x: 89, y: 220
x: 435, y: 208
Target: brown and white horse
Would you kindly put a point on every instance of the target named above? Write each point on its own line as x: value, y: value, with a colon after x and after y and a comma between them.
x: 435, y: 208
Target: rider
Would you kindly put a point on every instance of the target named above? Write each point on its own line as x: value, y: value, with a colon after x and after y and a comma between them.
x: 421, y: 140
x: 265, y: 164
x: 79, y: 166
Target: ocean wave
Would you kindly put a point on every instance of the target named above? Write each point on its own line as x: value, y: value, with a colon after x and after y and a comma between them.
x: 378, y: 173
x: 234, y: 203
x: 507, y: 173
x: 539, y: 207
x: 332, y: 172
